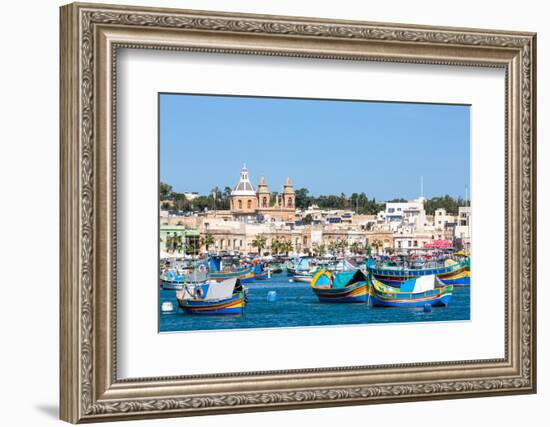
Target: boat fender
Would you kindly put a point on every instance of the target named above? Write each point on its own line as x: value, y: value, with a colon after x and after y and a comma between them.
x: 272, y: 296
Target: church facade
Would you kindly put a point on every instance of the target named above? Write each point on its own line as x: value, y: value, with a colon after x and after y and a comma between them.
x: 248, y: 202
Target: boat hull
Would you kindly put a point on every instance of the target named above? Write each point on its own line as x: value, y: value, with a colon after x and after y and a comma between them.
x: 172, y: 286
x: 440, y: 301
x: 356, y: 293
x: 262, y: 276
x: 233, y: 306
x: 302, y: 278
x: 456, y: 275
x: 245, y: 275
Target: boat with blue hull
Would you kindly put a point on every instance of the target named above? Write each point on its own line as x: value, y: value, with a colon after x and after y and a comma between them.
x: 171, y: 279
x: 262, y: 272
x: 456, y: 274
x: 344, y: 287
x: 418, y: 292
x: 244, y: 274
x: 214, y: 298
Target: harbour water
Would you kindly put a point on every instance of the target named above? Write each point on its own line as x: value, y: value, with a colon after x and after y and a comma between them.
x: 296, y: 306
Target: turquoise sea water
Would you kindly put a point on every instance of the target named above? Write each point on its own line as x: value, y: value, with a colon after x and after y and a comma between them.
x: 297, y: 306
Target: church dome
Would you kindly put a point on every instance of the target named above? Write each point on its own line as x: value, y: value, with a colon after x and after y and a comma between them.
x: 244, y: 187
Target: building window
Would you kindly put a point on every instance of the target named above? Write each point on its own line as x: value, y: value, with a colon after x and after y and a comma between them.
x: 240, y: 204
x: 416, y: 243
x: 241, y: 244
x: 249, y: 204
x: 264, y: 202
x: 290, y: 202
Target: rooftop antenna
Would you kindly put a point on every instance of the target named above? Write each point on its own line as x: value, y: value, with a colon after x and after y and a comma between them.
x: 466, y: 195
x: 422, y: 186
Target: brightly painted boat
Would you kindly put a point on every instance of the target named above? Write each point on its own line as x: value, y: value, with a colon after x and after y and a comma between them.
x: 218, y: 273
x: 171, y: 279
x: 416, y: 292
x: 456, y: 273
x: 261, y: 272
x: 225, y: 297
x: 345, y: 287
x: 244, y: 274
x: 275, y: 268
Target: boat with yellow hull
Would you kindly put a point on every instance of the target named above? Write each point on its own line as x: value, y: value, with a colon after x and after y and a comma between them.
x: 245, y: 275
x: 456, y: 274
x: 345, y: 287
x: 418, y: 292
x: 225, y: 297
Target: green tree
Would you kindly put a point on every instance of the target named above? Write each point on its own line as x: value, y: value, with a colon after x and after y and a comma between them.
x: 207, y: 240
x: 319, y: 250
x: 276, y: 246
x: 355, y: 247
x: 259, y: 242
x: 308, y: 219
x: 165, y: 191
x: 301, y: 198
x: 376, y: 244
x: 286, y: 247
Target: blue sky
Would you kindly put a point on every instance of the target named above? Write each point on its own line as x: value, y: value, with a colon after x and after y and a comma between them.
x: 326, y: 146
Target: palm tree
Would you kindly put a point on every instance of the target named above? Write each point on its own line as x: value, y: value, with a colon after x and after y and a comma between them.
x: 286, y: 247
x: 259, y: 242
x: 376, y: 244
x: 355, y: 247
x: 318, y: 250
x: 275, y: 246
x: 207, y: 240
x: 177, y: 243
x: 332, y: 247
x: 342, y: 245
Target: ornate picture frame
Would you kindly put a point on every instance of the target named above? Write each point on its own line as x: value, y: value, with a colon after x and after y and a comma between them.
x: 90, y: 37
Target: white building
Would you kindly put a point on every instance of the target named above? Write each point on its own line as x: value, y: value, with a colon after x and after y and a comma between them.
x: 399, y: 214
x: 463, y: 229
x: 442, y: 218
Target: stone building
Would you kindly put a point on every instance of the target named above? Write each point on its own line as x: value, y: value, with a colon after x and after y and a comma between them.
x: 246, y: 202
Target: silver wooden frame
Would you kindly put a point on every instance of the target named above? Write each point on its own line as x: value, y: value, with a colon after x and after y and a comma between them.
x: 90, y: 36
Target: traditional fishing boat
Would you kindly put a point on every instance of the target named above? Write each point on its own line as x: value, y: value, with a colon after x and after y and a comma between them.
x: 275, y: 268
x: 262, y: 272
x: 346, y: 287
x: 451, y: 273
x: 244, y: 274
x: 225, y: 297
x: 415, y: 292
x: 171, y: 279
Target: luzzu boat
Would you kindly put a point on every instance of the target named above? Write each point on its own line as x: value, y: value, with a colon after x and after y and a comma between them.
x: 225, y: 297
x: 261, y: 273
x: 244, y: 274
x: 171, y: 279
x: 457, y: 274
x: 416, y: 292
x: 345, y: 287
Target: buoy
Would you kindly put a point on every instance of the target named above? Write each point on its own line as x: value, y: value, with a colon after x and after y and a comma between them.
x: 427, y: 308
x: 167, y: 307
x: 271, y: 296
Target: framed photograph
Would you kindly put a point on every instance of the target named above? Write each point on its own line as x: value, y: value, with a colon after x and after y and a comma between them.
x: 266, y: 213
